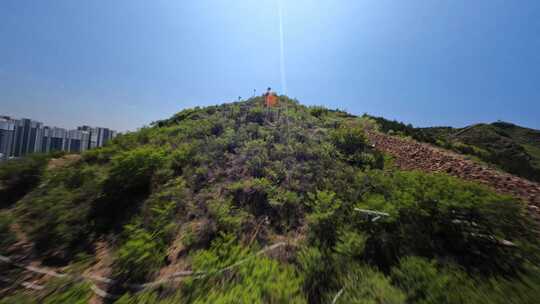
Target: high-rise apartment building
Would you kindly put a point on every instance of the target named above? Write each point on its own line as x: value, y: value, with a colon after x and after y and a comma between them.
x: 25, y: 136
x: 98, y: 136
x: 77, y: 141
x: 19, y: 137
x: 52, y: 139
x: 7, y: 135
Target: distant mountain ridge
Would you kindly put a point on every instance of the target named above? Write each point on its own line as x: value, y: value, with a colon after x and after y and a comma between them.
x: 510, y: 147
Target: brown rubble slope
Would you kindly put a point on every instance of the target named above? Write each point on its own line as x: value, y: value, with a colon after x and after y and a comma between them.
x: 412, y: 155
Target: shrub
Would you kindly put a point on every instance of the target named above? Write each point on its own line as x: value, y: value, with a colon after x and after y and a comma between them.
x: 100, y: 155
x: 64, y: 292
x: 19, y: 176
x: 166, y: 201
x: 149, y: 297
x: 178, y: 118
x: 18, y: 298
x: 364, y: 285
x: 318, y: 111
x: 288, y: 205
x: 253, y: 194
x: 56, y: 217
x: 351, y: 142
x: 318, y: 271
x: 256, y: 115
x: 498, y: 290
x: 427, y: 282
x: 139, y: 256
x: 127, y: 185
x: 386, y: 125
x: 259, y: 280
x: 198, y: 234
x: 351, y: 244
x: 438, y: 215
x: 182, y: 156
x: 421, y: 281
x: 256, y: 155
x: 323, y: 216
x: 132, y: 171
x: 227, y: 218
x: 349, y: 139
x: 7, y: 237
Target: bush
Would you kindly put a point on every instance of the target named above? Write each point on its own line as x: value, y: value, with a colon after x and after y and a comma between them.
x: 318, y: 111
x: 427, y: 282
x: 182, y: 157
x: 393, y: 126
x: 100, y: 155
x: 55, y: 220
x: 351, y: 142
x: 228, y: 219
x: 64, y: 292
x: 7, y: 237
x: 351, y: 244
x: 127, y: 185
x: 253, y: 194
x: 131, y: 172
x: 18, y: 298
x: 323, y: 216
x: 19, y: 176
x: 349, y: 139
x: 56, y: 217
x: 364, y: 285
x: 318, y: 271
x: 56, y: 291
x: 259, y: 280
x: 139, y: 256
x: 438, y: 215
x: 288, y: 206
x: 421, y: 281
x: 149, y: 234
x: 256, y: 155
x: 149, y: 297
x: 256, y: 115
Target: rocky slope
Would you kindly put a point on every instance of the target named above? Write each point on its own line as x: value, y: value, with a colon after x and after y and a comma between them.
x: 412, y: 155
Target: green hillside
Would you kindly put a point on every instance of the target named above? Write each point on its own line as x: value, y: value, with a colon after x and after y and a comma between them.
x: 513, y: 148
x: 221, y: 184
x: 510, y: 147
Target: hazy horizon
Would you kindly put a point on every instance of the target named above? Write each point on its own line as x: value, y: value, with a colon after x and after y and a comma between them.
x: 124, y: 64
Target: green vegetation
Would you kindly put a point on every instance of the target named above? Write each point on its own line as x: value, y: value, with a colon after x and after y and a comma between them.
x: 256, y: 280
x: 19, y: 176
x: 513, y: 148
x: 394, y: 127
x: 55, y: 215
x: 56, y: 292
x: 7, y: 238
x: 207, y: 189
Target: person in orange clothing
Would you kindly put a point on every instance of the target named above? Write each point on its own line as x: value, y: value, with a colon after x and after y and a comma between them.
x: 270, y: 98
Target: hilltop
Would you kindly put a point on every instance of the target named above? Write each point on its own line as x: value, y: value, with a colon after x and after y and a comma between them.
x: 238, y: 203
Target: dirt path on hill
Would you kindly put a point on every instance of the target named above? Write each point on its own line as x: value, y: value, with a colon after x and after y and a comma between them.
x: 412, y: 155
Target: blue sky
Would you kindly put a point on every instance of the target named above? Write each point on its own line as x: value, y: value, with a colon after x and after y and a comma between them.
x: 125, y: 63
